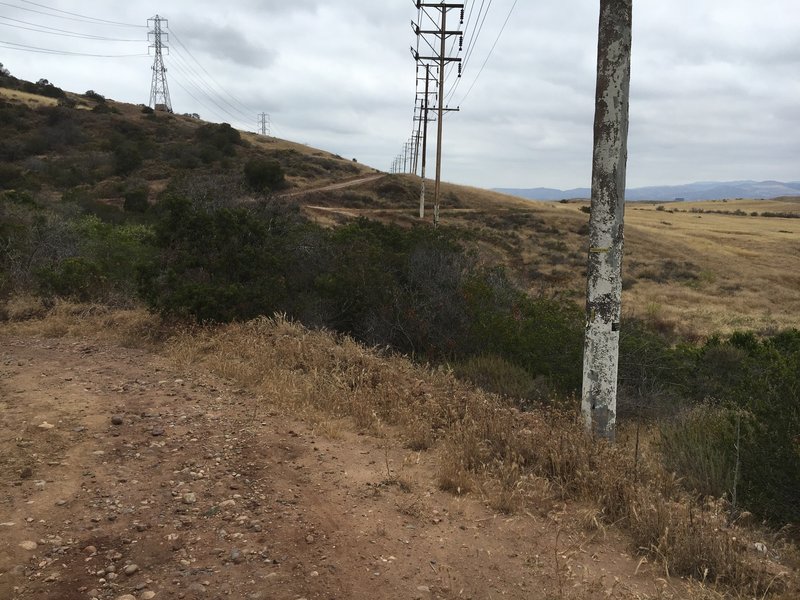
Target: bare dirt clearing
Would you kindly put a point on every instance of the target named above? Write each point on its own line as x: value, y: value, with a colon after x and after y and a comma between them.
x: 123, y: 475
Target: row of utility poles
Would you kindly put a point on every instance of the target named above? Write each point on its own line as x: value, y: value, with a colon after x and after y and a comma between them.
x: 606, y: 223
x: 433, y: 60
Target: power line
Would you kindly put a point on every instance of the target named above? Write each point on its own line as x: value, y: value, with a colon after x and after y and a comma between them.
x: 245, y: 111
x: 488, y: 56
x: 26, y: 48
x: 60, y: 32
x: 66, y: 12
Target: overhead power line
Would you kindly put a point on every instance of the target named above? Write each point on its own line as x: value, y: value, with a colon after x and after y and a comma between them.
x: 245, y: 111
x: 26, y: 48
x: 73, y: 17
x: 61, y: 32
x: 488, y: 56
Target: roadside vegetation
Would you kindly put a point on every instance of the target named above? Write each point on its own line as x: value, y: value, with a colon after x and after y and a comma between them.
x: 122, y: 208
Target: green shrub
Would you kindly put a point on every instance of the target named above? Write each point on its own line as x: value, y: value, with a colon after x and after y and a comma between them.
x: 700, y: 445
x: 264, y: 175
x: 497, y: 375
x: 136, y: 195
x: 127, y: 158
x: 78, y: 278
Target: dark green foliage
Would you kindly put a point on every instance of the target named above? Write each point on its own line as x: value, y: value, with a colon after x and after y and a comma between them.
x: 136, y: 195
x: 495, y: 374
x: 759, y: 380
x: 264, y: 175
x: 95, y: 96
x: 10, y: 176
x: 127, y: 158
x: 76, y: 277
x: 217, y: 141
x: 43, y: 88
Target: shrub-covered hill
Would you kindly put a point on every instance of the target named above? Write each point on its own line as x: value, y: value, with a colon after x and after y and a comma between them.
x: 112, y: 203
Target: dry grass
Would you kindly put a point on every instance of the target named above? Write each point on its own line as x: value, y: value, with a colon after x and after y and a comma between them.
x: 26, y: 98
x: 28, y: 315
x: 740, y: 274
x: 520, y: 461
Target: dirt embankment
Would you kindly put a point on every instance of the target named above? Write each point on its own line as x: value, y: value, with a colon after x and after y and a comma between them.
x: 123, y: 477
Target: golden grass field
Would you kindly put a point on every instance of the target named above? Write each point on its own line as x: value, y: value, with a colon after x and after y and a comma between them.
x: 26, y: 98
x: 693, y: 273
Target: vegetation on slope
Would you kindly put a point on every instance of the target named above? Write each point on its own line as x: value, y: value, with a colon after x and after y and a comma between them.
x: 121, y: 206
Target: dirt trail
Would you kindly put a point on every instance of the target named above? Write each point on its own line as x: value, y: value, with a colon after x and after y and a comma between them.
x: 121, y: 475
x: 334, y: 186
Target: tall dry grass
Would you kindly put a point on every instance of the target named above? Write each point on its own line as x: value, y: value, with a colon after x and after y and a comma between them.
x: 520, y: 459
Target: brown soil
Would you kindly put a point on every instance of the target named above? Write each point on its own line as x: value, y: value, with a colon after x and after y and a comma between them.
x: 212, y: 495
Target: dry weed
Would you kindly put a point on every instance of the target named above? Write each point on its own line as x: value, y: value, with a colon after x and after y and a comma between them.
x: 515, y: 458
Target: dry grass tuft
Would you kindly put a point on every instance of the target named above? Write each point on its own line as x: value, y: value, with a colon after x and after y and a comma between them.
x: 516, y: 459
x: 131, y: 328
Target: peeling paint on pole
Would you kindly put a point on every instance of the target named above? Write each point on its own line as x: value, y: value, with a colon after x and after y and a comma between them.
x: 604, y: 286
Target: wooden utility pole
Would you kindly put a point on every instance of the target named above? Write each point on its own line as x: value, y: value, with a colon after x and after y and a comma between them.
x: 606, y: 222
x: 440, y: 60
x: 424, y: 139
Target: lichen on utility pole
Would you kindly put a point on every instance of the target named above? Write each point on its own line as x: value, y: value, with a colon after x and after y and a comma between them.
x: 606, y: 222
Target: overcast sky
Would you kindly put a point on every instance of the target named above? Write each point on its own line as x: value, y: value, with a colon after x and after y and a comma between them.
x: 715, y: 83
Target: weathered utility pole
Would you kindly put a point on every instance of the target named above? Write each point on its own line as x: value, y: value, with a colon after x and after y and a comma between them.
x: 159, y: 90
x: 604, y: 281
x: 440, y: 60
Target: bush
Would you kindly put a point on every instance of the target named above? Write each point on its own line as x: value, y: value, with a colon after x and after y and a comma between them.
x: 497, y: 375
x: 95, y: 96
x: 136, y: 195
x: 127, y: 158
x: 264, y: 175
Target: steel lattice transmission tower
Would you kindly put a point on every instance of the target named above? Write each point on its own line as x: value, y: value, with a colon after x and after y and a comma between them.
x: 159, y: 40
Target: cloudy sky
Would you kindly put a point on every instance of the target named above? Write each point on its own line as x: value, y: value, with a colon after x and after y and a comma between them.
x: 715, y: 83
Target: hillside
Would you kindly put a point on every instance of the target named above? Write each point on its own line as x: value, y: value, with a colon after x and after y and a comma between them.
x: 407, y: 422
x: 709, y: 190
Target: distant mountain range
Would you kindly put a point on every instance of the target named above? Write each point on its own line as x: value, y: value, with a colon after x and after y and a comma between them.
x: 706, y: 190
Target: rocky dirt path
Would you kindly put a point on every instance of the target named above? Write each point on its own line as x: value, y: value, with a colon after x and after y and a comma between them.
x: 122, y: 477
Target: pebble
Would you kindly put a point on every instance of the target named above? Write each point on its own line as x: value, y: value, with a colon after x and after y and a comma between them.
x: 90, y: 550
x: 116, y: 420
x: 148, y: 595
x: 423, y: 588
x: 28, y: 545
x: 46, y: 425
x: 93, y: 593
x: 236, y: 556
x: 189, y: 498
x: 158, y: 431
x: 131, y: 569
x: 126, y: 597
x: 310, y: 539
x: 197, y: 588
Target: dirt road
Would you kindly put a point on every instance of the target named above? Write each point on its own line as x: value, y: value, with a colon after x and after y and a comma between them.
x: 123, y: 478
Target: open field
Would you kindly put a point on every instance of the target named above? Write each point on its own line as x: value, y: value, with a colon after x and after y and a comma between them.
x: 692, y: 273
x: 26, y: 98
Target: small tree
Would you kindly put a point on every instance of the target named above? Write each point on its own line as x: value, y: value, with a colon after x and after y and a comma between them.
x: 264, y: 175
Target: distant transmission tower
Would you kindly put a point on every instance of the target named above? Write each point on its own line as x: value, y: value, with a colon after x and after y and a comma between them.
x: 159, y: 90
x: 264, y: 124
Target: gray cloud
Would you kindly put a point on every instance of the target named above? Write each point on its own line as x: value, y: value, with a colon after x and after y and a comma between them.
x: 714, y: 83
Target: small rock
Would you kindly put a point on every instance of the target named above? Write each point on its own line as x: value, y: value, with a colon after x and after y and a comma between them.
x: 46, y: 425
x: 117, y: 420
x: 131, y: 569
x: 157, y: 432
x: 314, y: 574
x: 148, y: 595
x: 60, y: 502
x: 90, y: 550
x: 310, y: 539
x: 126, y: 597
x: 189, y: 498
x: 236, y: 556
x: 761, y: 547
x: 423, y: 588
x: 93, y: 593
x: 28, y: 545
x: 197, y: 588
